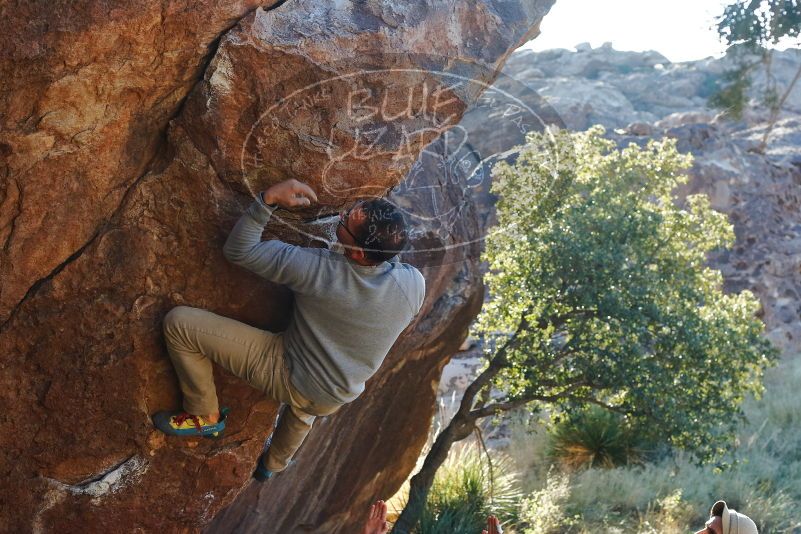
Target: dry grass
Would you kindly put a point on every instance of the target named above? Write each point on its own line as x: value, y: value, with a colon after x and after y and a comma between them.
x: 674, y: 494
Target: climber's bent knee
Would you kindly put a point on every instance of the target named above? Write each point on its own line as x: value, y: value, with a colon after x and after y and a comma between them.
x: 173, y: 317
x: 179, y: 315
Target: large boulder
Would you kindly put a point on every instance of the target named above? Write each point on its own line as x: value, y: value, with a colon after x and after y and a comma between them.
x: 582, y: 103
x: 118, y: 190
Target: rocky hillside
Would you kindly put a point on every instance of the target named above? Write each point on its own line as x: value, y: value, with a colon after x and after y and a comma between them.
x: 761, y: 194
x: 639, y: 96
x: 133, y: 136
x: 606, y: 86
x: 615, y: 88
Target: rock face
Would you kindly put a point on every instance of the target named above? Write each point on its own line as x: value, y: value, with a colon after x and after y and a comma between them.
x: 88, y: 90
x: 133, y: 138
x: 616, y: 88
x: 606, y: 86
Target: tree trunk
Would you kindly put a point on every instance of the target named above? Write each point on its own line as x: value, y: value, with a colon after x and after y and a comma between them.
x: 458, y: 429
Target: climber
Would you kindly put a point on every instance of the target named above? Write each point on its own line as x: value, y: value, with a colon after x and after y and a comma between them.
x: 351, y: 303
x: 723, y: 520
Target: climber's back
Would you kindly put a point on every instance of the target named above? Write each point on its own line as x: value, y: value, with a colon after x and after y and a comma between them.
x: 344, y: 323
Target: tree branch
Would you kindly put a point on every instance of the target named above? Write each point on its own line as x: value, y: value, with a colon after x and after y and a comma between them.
x: 497, y: 363
x: 494, y: 408
x: 595, y: 401
x: 581, y: 330
x: 774, y: 113
x: 561, y: 319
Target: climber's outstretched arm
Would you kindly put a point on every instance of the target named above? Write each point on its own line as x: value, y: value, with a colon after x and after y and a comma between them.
x: 293, y: 266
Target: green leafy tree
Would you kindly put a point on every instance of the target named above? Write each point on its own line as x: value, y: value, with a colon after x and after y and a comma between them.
x: 750, y: 28
x: 600, y: 295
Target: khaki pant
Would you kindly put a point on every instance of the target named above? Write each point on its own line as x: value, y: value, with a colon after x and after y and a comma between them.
x: 197, y: 337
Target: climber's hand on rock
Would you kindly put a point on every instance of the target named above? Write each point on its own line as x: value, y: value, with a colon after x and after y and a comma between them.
x: 290, y: 194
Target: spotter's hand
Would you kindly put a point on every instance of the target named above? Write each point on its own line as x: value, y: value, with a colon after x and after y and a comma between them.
x: 493, y: 526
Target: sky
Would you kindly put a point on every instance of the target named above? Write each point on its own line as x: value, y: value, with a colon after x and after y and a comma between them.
x: 681, y: 30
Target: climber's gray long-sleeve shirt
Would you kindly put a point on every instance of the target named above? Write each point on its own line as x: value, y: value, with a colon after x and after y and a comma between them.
x: 346, y: 316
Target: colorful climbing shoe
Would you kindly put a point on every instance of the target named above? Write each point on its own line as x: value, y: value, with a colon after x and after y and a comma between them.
x: 181, y: 423
x: 262, y: 473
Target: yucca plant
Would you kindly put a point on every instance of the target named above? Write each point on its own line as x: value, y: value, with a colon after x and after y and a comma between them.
x: 469, y: 487
x: 595, y: 437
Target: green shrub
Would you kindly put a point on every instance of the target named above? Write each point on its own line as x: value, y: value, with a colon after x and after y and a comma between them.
x: 466, y: 490
x: 595, y: 437
x: 543, y: 511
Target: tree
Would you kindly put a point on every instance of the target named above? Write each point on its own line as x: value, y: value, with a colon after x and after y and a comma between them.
x: 750, y: 27
x: 599, y: 295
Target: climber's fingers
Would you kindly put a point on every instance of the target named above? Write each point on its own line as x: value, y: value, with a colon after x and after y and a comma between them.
x: 378, y: 510
x: 302, y: 194
x: 290, y: 193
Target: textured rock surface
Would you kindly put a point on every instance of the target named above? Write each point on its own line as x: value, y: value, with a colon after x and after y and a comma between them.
x: 116, y: 195
x: 88, y: 89
x: 615, y: 88
x: 640, y: 86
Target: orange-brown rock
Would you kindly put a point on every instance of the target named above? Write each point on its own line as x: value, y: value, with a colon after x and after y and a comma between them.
x: 87, y: 91
x: 117, y: 193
